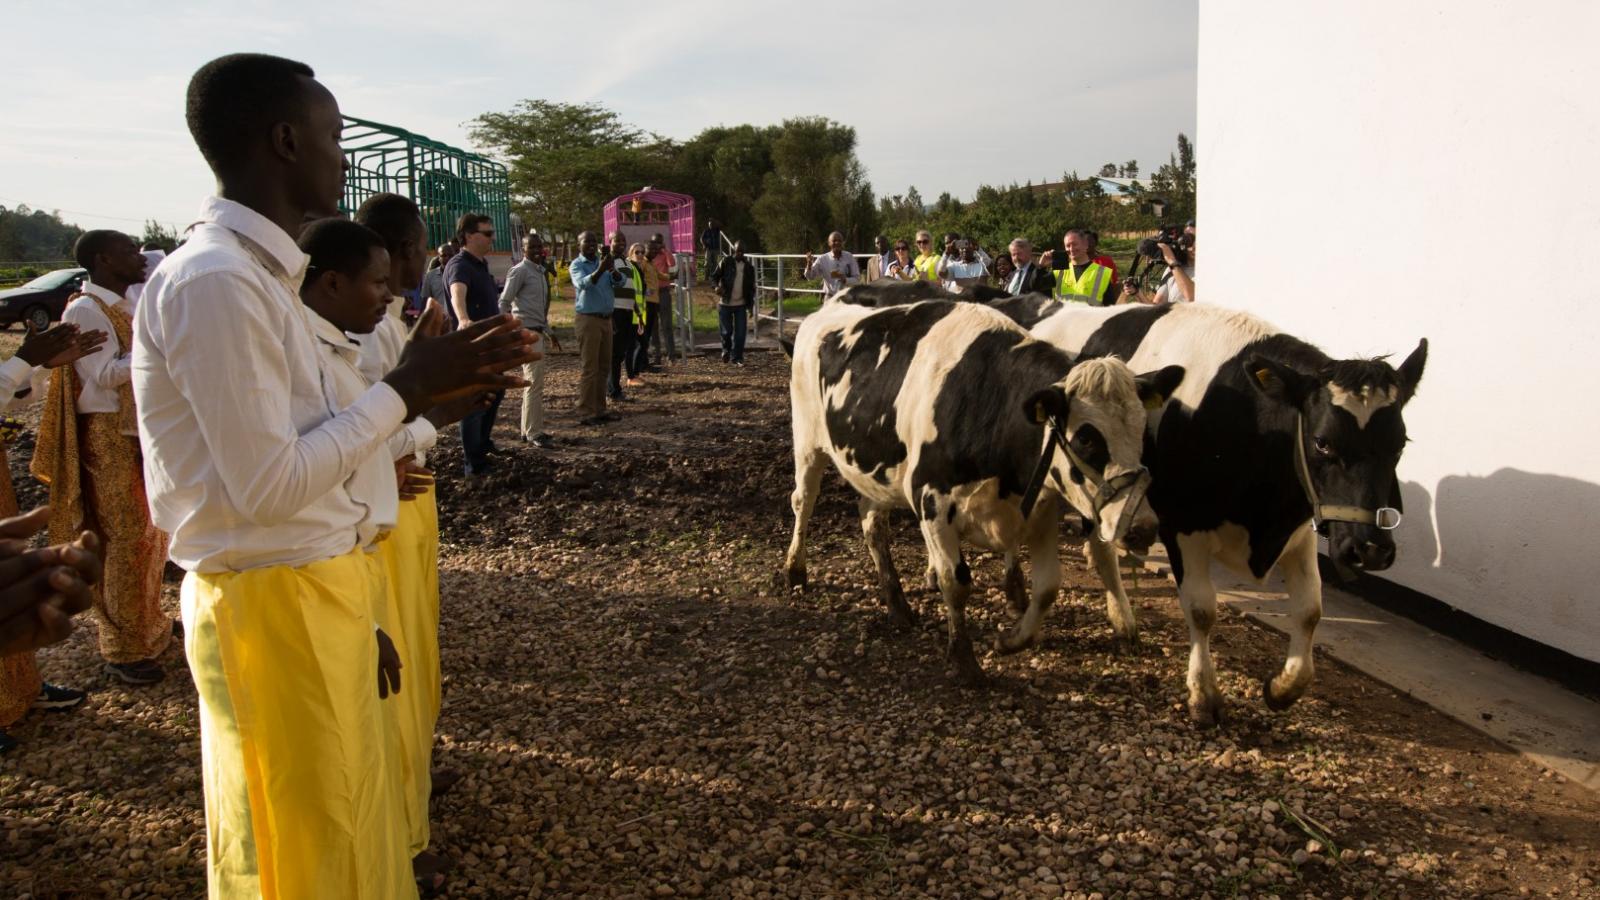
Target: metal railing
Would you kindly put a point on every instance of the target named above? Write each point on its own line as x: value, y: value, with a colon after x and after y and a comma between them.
x: 769, y: 269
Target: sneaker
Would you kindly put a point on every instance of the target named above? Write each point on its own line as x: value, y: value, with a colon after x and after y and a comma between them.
x: 542, y: 441
x: 145, y: 671
x: 7, y: 742
x: 57, y: 698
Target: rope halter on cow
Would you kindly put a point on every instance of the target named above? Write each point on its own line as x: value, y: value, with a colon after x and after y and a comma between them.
x: 1133, y: 482
x: 1384, y: 517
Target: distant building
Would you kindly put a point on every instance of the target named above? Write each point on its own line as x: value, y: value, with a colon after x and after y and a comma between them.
x: 1119, y: 189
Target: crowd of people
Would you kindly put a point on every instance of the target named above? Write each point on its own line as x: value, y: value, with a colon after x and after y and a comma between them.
x: 1079, y: 273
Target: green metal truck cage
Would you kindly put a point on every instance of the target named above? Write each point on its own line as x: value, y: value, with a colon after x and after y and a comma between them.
x: 445, y: 181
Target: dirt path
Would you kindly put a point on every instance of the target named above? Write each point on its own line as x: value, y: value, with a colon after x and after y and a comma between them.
x: 641, y: 712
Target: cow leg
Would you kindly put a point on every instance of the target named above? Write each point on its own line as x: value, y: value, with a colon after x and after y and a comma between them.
x: 1118, y: 610
x: 875, y: 527
x: 1299, y: 567
x: 955, y: 583
x: 1045, y: 556
x: 1016, y: 585
x: 807, y: 482
x: 930, y: 578
x: 1198, y: 597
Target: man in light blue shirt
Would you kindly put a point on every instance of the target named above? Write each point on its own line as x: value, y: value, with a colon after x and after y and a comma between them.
x: 594, y: 276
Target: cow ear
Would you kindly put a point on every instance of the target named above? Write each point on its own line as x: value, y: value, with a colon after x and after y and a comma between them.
x: 1411, y: 370
x: 1046, y: 404
x: 1280, y: 382
x: 1155, y: 387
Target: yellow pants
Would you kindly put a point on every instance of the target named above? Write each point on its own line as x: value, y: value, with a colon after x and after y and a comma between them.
x: 300, y: 800
x: 410, y: 557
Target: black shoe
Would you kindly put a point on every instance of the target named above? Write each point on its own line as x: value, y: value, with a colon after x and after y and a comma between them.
x: 739, y: 363
x: 7, y: 742
x: 609, y: 417
x: 143, y: 672
x: 593, y: 420
x: 57, y: 698
x: 727, y: 358
x: 542, y: 441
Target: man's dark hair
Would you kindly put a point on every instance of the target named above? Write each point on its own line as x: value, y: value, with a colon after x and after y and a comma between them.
x: 395, y: 218
x: 233, y: 100
x: 93, y: 243
x: 468, y: 223
x: 338, y: 245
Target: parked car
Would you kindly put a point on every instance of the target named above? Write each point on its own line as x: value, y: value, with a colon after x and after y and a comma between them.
x: 42, y: 300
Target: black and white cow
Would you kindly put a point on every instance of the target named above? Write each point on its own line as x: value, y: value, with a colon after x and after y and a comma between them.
x: 1266, y: 442
x: 939, y: 407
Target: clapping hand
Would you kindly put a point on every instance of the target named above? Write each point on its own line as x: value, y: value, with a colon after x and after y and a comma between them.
x: 41, y: 590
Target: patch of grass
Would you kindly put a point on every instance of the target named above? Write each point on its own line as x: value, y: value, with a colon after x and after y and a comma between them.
x: 1311, y: 830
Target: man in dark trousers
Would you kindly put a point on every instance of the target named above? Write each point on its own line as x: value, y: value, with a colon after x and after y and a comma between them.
x: 735, y: 279
x: 474, y: 297
x: 711, y: 241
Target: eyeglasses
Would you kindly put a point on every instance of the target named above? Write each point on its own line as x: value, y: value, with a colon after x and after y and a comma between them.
x: 902, y: 247
x: 923, y: 241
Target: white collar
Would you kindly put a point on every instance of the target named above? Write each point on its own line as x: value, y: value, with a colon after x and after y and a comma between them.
x: 105, y: 295
x: 275, y: 245
x: 329, y: 334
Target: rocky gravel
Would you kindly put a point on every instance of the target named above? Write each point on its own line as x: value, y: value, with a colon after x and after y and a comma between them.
x: 641, y: 711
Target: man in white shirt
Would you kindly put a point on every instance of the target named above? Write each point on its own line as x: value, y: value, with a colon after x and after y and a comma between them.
x: 88, y: 452
x: 963, y: 268
x: 254, y: 463
x: 837, y: 269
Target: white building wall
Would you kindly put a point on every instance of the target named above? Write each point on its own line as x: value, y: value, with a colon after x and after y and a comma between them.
x: 1375, y: 172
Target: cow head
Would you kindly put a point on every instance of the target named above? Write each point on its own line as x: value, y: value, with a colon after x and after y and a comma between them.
x: 1098, y: 414
x: 1350, y: 434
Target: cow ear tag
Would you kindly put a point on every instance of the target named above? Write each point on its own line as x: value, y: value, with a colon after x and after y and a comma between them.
x: 1264, y: 376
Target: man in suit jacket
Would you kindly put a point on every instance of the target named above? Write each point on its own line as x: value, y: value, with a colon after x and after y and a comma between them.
x: 1030, y: 276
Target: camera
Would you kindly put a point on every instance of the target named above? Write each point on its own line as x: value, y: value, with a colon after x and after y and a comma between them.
x: 1174, y: 237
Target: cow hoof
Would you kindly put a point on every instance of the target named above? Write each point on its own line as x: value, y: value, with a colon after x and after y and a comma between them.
x: 967, y: 671
x: 902, y: 618
x: 1128, y: 642
x: 1206, y: 713
x: 1275, y: 703
x: 1014, y: 642
x: 795, y: 578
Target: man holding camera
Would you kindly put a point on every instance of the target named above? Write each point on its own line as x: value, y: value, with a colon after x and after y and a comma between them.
x: 1078, y: 278
x: 594, y: 275
x: 1177, y: 251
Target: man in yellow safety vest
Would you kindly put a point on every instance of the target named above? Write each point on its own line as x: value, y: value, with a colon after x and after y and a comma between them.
x: 1079, y: 279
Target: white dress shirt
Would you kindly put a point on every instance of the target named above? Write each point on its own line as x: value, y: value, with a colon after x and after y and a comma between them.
x: 380, y: 353
x: 251, y: 450
x: 372, y: 485
x: 837, y: 273
x: 109, y: 367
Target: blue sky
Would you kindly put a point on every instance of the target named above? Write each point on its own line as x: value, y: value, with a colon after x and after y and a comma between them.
x: 946, y: 98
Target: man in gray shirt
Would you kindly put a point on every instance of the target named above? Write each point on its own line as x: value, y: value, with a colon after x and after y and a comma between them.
x: 527, y: 293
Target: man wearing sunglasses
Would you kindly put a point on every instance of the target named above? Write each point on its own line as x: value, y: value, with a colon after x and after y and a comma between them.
x: 474, y: 296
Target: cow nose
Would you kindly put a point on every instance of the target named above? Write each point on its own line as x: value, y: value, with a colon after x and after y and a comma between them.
x: 1376, y: 557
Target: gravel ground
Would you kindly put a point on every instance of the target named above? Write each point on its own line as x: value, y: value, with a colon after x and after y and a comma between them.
x: 641, y: 711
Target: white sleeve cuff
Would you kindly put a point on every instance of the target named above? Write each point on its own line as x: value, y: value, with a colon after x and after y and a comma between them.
x: 423, y: 435
x: 15, y: 374
x: 383, y: 406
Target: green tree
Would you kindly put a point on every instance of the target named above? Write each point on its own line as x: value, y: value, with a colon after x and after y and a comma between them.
x: 567, y: 160
x: 155, y: 234
x: 816, y: 186
x: 1175, y: 182
x: 33, y: 235
x: 724, y: 170
x: 1109, y: 170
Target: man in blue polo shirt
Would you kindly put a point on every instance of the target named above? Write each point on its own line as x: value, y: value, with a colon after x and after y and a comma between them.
x: 594, y: 276
x: 474, y: 296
